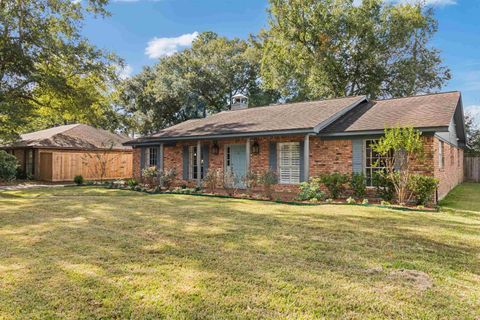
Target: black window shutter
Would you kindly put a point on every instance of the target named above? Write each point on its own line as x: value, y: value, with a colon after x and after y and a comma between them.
x: 142, y: 159
x: 186, y: 159
x: 272, y: 159
x: 205, y: 149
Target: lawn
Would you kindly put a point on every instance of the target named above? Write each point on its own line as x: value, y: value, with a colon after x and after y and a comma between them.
x: 96, y: 253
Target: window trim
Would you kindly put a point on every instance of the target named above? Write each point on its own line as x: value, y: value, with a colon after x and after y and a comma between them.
x: 441, y: 155
x: 279, y: 147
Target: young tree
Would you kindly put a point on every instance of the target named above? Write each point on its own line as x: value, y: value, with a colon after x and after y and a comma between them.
x: 98, y: 162
x: 400, y: 149
x: 333, y: 48
x: 39, y: 39
x: 473, y: 134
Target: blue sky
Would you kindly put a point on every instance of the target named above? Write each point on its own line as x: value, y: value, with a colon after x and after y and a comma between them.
x: 139, y: 31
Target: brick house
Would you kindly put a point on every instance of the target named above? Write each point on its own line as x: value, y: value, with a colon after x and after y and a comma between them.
x: 303, y: 140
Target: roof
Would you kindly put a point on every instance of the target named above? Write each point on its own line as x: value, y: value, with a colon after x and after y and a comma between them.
x: 424, y: 111
x: 342, y: 116
x: 286, y: 118
x: 73, y: 136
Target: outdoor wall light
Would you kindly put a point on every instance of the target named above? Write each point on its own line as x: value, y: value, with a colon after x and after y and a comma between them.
x: 255, y: 148
x: 215, y: 148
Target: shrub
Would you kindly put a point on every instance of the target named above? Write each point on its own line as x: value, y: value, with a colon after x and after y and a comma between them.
x: 311, y: 190
x: 365, y: 201
x: 351, y: 200
x: 230, y: 183
x: 78, y: 180
x: 132, y: 183
x: 150, y: 176
x: 358, y: 185
x: 329, y: 200
x: 8, y: 166
x: 384, y: 186
x: 251, y: 182
x: 212, y: 179
x: 335, y: 183
x: 167, y: 178
x: 385, y: 203
x: 422, y: 188
x: 268, y: 179
x: 21, y: 174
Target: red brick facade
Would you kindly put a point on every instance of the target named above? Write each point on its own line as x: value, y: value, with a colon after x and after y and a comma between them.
x: 331, y: 155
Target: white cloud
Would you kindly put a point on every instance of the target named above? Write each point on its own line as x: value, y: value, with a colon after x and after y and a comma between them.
x: 474, y: 111
x: 162, y: 47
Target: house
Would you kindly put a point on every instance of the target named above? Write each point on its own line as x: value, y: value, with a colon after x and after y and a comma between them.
x: 303, y: 140
x: 61, y: 153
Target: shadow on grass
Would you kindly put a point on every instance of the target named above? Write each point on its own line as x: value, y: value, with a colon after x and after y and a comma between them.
x: 193, y: 257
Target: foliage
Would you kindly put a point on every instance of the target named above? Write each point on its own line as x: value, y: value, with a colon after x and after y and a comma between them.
x: 423, y: 188
x: 401, y: 148
x: 324, y: 48
x: 351, y: 200
x: 251, y: 181
x: 473, y: 135
x: 311, y: 190
x: 43, y: 55
x: 230, y: 182
x: 150, y: 176
x: 358, y: 185
x: 383, y: 186
x: 8, y: 166
x: 212, y: 179
x: 132, y: 182
x: 365, y: 201
x: 335, y: 183
x: 185, y: 190
x: 267, y: 180
x: 193, y: 83
x: 166, y: 178
x: 385, y: 203
x: 329, y: 200
x: 78, y: 180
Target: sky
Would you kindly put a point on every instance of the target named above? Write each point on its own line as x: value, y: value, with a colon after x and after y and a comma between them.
x: 141, y: 31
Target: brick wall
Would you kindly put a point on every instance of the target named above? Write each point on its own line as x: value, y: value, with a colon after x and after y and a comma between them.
x: 452, y: 172
x: 325, y: 156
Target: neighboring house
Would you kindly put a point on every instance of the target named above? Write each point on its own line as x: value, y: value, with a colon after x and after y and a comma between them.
x: 61, y: 153
x: 303, y: 140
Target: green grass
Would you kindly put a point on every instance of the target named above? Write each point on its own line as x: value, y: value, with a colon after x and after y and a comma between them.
x: 96, y: 253
x: 464, y: 197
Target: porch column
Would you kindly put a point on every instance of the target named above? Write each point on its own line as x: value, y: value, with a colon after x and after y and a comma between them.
x: 160, y: 164
x: 306, y: 157
x: 247, y: 153
x: 199, y: 164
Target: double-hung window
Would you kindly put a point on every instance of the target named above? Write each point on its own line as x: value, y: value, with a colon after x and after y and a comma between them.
x: 374, y: 162
x: 151, y: 157
x: 193, y: 169
x: 441, y: 156
x: 289, y: 162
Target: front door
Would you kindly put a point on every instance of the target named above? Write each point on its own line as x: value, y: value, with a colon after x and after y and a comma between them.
x: 237, y: 163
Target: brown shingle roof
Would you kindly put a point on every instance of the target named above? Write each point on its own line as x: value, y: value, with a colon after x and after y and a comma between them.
x: 73, y: 136
x: 425, y: 111
x: 287, y: 117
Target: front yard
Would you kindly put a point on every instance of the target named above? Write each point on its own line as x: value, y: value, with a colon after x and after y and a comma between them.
x: 81, y: 252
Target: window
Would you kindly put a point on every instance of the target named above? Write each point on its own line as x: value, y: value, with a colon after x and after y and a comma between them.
x: 289, y: 162
x: 441, y: 157
x: 374, y: 162
x: 193, y: 164
x: 29, y: 163
x: 151, y: 157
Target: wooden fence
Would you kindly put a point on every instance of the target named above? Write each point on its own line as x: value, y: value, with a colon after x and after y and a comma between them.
x: 472, y: 169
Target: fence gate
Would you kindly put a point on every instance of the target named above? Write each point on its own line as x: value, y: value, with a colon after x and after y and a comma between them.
x: 472, y: 169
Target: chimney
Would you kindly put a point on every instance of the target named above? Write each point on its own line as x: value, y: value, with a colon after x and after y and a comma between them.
x: 239, y: 102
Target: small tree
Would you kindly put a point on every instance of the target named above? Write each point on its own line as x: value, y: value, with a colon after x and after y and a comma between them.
x: 268, y: 179
x: 150, y: 176
x: 166, y: 178
x: 99, y: 161
x: 400, y: 148
x: 8, y: 166
x: 230, y: 182
x: 251, y: 182
x: 212, y: 179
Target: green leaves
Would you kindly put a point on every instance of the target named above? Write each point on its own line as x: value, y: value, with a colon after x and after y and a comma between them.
x: 331, y: 48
